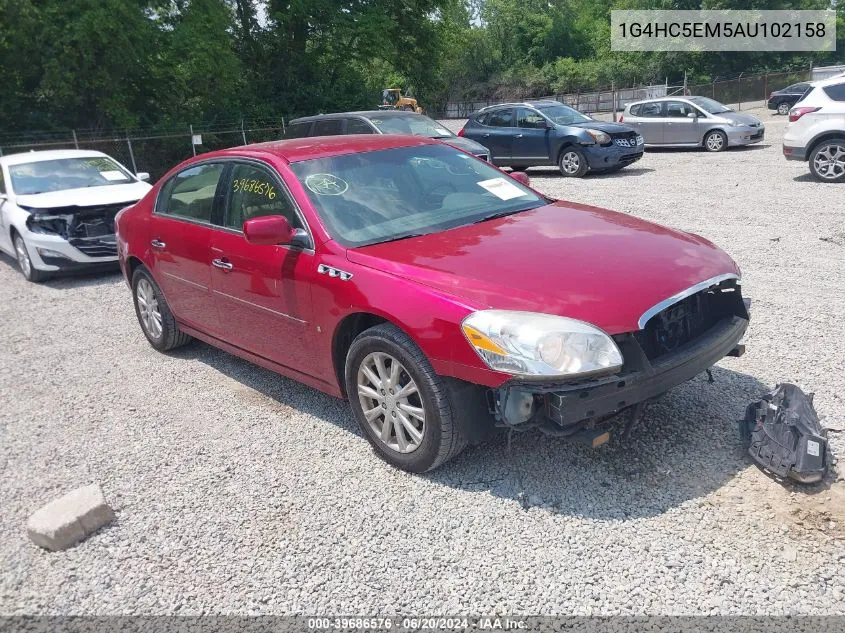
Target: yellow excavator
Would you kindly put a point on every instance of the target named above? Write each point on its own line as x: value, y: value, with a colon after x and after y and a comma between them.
x: 393, y: 99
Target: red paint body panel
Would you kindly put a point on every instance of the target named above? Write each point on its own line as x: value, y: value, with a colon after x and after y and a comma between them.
x: 275, y: 309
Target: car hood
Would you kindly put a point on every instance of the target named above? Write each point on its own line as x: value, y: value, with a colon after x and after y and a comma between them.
x: 740, y: 117
x: 604, y: 126
x: 468, y: 145
x: 572, y: 260
x: 86, y: 197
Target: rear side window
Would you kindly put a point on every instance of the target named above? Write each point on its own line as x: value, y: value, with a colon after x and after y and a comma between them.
x: 254, y: 191
x: 652, y: 109
x: 500, y: 118
x: 835, y: 92
x: 298, y: 130
x: 190, y: 193
x: 635, y: 110
x: 357, y: 126
x: 328, y: 127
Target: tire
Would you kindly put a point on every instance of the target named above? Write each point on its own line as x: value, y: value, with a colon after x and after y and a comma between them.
x: 572, y: 162
x: 368, y: 373
x: 783, y: 108
x: 29, y: 272
x: 715, y: 141
x: 149, y: 300
x: 518, y: 167
x: 827, y: 160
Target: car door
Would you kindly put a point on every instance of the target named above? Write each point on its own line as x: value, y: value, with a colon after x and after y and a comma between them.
x: 679, y: 128
x: 262, y: 292
x: 5, y: 232
x: 497, y: 134
x: 531, y: 141
x: 180, y: 242
x: 651, y: 122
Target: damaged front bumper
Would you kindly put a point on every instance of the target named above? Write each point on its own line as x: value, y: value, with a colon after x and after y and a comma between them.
x: 563, y: 407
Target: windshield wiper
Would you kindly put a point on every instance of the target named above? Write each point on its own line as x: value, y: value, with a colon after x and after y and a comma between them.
x: 502, y: 214
x: 403, y: 236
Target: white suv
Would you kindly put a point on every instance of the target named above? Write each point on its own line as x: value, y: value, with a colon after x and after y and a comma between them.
x: 57, y: 209
x: 816, y: 130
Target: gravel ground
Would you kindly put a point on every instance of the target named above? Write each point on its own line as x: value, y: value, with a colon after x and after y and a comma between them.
x: 238, y: 491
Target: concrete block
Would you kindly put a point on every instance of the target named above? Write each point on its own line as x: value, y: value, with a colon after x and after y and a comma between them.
x: 69, y: 519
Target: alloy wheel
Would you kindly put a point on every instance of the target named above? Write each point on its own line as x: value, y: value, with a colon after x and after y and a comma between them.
x: 715, y: 142
x: 391, y: 402
x: 570, y: 162
x: 23, y: 257
x: 783, y: 108
x: 829, y: 161
x: 148, y: 308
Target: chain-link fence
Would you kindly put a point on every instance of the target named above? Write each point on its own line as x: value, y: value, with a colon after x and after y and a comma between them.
x: 735, y: 91
x: 151, y: 150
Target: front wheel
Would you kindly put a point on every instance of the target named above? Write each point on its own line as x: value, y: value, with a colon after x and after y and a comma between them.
x: 827, y: 160
x: 572, y: 162
x: 402, y: 406
x: 783, y: 108
x: 715, y: 141
x: 154, y: 315
x: 30, y: 272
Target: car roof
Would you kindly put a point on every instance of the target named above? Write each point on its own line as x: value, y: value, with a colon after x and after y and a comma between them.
x: 55, y: 154
x: 829, y: 81
x: 299, y: 149
x: 673, y: 98
x: 367, y: 114
x: 537, y: 103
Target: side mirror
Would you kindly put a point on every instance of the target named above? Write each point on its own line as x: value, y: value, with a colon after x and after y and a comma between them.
x: 142, y: 176
x: 521, y: 176
x: 692, y: 115
x: 274, y: 229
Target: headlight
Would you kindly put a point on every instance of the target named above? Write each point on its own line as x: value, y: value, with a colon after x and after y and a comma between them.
x: 736, y: 124
x: 532, y: 344
x: 599, y: 137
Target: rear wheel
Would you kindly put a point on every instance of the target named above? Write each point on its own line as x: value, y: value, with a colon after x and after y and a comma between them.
x: 783, y: 108
x: 518, y: 167
x: 402, y: 406
x: 154, y: 315
x: 715, y: 141
x: 572, y: 162
x: 827, y: 160
x: 29, y: 271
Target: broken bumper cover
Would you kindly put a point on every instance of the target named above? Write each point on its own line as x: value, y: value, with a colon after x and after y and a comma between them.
x: 567, y: 403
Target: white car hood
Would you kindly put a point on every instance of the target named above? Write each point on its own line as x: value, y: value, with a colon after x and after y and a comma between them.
x: 86, y: 197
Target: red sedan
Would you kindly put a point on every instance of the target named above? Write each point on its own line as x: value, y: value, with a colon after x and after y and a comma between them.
x: 441, y: 296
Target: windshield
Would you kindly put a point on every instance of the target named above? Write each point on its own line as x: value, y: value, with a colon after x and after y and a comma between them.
x: 67, y: 173
x: 709, y: 105
x: 390, y: 194
x: 563, y: 115
x: 413, y: 124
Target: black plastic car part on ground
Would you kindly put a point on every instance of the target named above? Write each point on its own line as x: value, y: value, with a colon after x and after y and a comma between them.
x: 381, y: 122
x: 540, y: 133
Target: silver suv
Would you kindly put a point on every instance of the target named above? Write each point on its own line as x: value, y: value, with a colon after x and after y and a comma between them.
x: 692, y: 122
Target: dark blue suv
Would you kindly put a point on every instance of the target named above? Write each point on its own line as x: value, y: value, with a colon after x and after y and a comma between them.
x: 521, y: 135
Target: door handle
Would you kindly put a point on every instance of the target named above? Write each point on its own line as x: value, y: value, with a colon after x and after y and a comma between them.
x: 157, y: 244
x: 518, y: 136
x: 222, y: 264
x: 486, y: 135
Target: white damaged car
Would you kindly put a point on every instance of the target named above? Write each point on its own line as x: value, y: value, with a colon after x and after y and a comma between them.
x: 57, y: 209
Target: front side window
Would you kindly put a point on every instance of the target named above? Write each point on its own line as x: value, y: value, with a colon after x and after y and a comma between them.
x: 678, y: 109
x: 357, y: 126
x: 252, y: 192
x: 190, y: 193
x: 500, y: 118
x: 385, y: 195
x: 67, y: 173
x: 328, y: 127
x: 563, y: 115
x: 526, y: 117
x: 412, y: 124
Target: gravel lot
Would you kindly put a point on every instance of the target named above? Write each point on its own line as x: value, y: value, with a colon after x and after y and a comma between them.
x: 238, y: 491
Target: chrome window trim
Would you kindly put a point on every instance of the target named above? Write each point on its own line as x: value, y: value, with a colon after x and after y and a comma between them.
x: 662, y: 305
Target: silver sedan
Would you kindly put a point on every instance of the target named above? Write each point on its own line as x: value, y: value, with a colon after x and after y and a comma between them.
x: 692, y: 122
